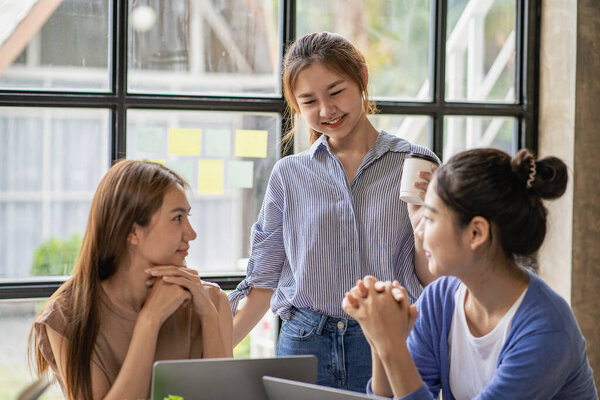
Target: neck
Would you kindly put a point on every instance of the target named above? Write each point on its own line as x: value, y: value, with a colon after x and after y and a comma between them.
x: 358, y: 142
x: 494, y: 286
x: 127, y: 286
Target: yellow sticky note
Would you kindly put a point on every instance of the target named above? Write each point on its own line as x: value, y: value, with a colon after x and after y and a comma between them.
x: 249, y: 143
x: 186, y: 142
x: 162, y: 162
x: 210, y: 176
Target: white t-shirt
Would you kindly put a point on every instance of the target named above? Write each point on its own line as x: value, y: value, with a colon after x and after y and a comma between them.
x: 473, y: 360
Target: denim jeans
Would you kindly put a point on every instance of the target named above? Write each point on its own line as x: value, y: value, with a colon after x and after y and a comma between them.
x: 343, y: 352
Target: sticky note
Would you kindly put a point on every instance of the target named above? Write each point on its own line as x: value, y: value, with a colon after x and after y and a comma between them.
x: 186, y: 142
x: 185, y: 168
x: 240, y: 174
x: 162, y: 162
x: 249, y: 143
x: 150, y: 139
x: 217, y: 143
x: 210, y: 176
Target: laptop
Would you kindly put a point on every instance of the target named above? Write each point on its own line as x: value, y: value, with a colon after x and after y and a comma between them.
x: 284, y: 389
x: 226, y: 378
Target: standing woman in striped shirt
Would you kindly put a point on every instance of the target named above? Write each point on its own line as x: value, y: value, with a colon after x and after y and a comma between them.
x: 331, y: 215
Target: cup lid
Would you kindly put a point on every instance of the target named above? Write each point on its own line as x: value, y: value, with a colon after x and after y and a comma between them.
x: 422, y: 156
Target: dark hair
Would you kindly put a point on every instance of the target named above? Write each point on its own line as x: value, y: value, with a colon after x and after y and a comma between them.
x: 130, y: 192
x: 333, y: 51
x: 507, y: 192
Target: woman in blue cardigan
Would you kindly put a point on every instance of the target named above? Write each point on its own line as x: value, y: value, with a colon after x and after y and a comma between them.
x: 488, y: 328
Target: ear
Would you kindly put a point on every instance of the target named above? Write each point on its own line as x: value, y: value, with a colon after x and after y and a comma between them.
x: 135, y: 234
x: 478, y: 232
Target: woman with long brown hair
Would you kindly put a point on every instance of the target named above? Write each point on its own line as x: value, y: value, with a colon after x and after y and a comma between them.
x: 131, y: 300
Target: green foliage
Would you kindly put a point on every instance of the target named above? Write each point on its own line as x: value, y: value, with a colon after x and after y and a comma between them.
x: 56, y: 257
x: 242, y: 350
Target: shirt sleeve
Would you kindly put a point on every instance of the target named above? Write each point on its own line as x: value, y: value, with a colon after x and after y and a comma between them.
x: 267, y: 254
x: 420, y: 394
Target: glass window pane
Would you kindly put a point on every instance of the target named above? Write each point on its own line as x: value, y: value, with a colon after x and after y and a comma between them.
x: 393, y: 35
x: 66, y: 48
x: 414, y: 128
x: 16, y: 318
x: 227, y: 159
x: 51, y: 161
x: 462, y: 133
x: 480, y: 50
x: 204, y: 47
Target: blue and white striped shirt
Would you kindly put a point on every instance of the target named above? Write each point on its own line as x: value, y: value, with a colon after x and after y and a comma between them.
x: 316, y: 234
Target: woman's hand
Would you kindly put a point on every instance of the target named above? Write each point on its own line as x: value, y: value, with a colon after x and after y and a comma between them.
x: 163, y: 300
x: 415, y: 211
x: 204, y: 295
x: 383, y: 310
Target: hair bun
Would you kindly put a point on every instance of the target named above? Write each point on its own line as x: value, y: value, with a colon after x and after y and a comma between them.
x: 546, y: 178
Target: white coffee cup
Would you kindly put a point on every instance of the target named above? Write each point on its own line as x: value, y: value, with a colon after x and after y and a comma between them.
x: 413, y: 163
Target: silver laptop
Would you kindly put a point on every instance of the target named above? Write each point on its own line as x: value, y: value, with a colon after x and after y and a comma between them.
x: 226, y: 378
x: 284, y: 389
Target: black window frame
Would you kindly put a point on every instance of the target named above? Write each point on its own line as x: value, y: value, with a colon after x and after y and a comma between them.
x: 118, y: 101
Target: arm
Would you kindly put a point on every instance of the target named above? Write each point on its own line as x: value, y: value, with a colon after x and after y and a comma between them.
x: 133, y: 379
x: 386, y: 318
x: 250, y: 312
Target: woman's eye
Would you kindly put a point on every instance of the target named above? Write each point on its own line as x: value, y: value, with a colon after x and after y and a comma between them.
x: 308, y: 102
x: 177, y: 218
x: 337, y: 92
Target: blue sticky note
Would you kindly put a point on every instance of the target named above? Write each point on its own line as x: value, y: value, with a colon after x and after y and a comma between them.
x: 240, y: 174
x: 150, y: 139
x: 217, y: 143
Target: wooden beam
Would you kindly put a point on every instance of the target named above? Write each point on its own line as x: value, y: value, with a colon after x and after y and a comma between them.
x: 25, y: 31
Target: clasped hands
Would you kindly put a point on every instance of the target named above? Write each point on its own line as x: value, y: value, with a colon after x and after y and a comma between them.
x: 383, y: 311
x: 173, y: 285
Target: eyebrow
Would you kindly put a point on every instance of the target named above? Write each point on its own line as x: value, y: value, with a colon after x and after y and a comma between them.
x: 430, y: 208
x: 181, y: 209
x: 329, y: 87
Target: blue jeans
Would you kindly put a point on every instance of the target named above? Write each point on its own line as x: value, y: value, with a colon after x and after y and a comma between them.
x: 343, y: 352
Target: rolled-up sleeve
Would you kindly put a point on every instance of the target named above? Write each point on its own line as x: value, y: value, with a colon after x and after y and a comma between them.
x: 267, y: 254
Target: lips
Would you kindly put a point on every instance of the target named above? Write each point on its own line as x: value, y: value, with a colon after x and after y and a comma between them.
x: 184, y: 251
x: 334, y: 123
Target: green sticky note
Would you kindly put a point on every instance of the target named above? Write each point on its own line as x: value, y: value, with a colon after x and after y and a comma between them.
x: 251, y: 143
x: 173, y: 397
x: 186, y: 142
x: 150, y: 139
x: 240, y: 174
x: 217, y: 143
x: 210, y: 176
x: 185, y: 168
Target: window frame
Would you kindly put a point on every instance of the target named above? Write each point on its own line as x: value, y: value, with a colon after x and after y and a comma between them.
x: 118, y: 101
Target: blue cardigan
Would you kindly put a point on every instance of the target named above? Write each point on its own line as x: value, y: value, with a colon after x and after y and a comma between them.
x: 544, y: 356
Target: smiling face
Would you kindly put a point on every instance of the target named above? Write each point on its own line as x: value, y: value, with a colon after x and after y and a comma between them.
x: 165, y: 241
x: 331, y: 103
x: 447, y: 247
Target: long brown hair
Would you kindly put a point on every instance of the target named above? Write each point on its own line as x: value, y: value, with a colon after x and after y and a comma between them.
x: 130, y: 192
x: 336, y: 53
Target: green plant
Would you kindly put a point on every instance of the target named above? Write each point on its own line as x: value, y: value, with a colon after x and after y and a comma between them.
x: 55, y: 256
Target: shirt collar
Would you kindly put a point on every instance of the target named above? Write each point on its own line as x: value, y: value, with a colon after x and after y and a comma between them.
x: 384, y: 143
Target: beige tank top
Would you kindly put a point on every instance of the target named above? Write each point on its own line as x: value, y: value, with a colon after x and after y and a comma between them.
x: 174, y: 342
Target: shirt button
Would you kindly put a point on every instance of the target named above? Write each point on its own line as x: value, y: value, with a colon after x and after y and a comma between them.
x: 340, y: 325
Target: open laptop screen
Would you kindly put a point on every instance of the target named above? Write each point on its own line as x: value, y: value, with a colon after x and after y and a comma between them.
x: 226, y: 378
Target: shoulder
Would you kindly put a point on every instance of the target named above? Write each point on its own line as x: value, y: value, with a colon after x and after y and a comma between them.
x: 546, y: 318
x: 440, y: 291
x: 54, y: 314
x: 399, y: 145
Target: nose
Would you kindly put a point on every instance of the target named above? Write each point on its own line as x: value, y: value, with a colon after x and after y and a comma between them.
x: 189, y: 232
x: 420, y: 229
x: 327, y: 109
